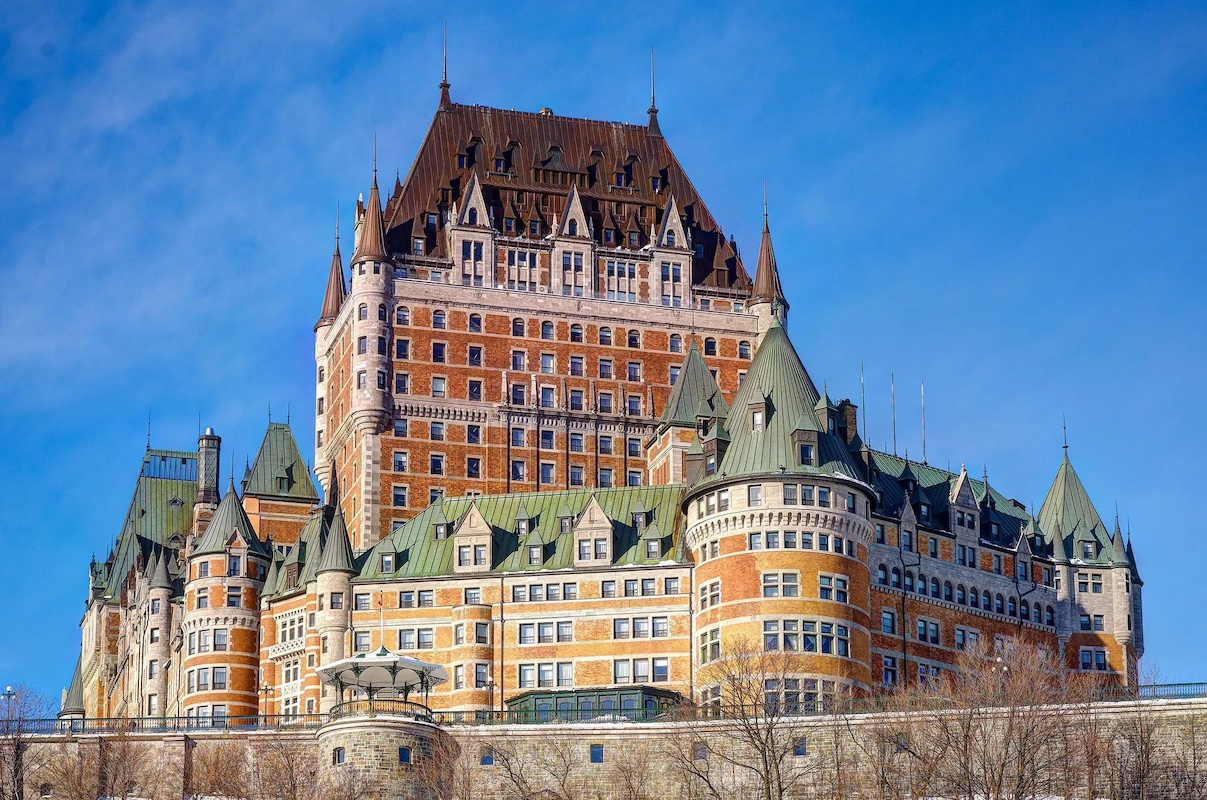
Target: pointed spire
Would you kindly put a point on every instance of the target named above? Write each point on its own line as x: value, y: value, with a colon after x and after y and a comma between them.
x: 372, y: 245
x: 1118, y: 549
x: 446, y: 102
x: 73, y: 700
x: 654, y: 129
x: 767, y: 288
x: 160, y: 579
x: 337, y: 291
x: 337, y: 552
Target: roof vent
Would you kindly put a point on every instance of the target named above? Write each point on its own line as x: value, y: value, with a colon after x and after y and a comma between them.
x: 546, y: 112
x: 209, y: 431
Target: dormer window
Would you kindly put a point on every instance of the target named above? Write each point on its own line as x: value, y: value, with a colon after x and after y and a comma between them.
x: 572, y: 227
x: 924, y: 512
x: 670, y: 238
x: 710, y: 465
x: 521, y: 527
x: 806, y: 455
x: 441, y: 530
x: 498, y: 165
x: 1087, y: 550
x: 387, y: 562
x: 639, y: 520
x: 233, y: 566
x: 462, y: 160
x: 831, y: 425
x: 756, y: 419
x: 472, y: 216
x: 563, y: 524
x: 656, y: 183
x: 534, y: 556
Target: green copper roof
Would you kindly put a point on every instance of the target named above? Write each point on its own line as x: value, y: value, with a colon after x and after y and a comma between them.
x: 420, y: 554
x: 279, y: 469
x: 695, y: 394
x: 230, y: 518
x: 778, y: 379
x: 73, y: 703
x: 1068, y: 504
x: 337, y: 551
x: 270, y: 581
x: 160, y: 579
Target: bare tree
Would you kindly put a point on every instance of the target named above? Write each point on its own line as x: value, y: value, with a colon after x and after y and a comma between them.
x: 284, y: 768
x: 749, y: 749
x: 449, y: 771
x: 20, y: 709
x: 221, y: 769
x: 548, y: 771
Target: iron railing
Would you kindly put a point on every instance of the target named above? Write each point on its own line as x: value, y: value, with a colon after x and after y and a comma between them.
x: 287, y: 722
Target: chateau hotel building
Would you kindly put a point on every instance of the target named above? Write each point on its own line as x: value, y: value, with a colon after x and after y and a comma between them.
x: 566, y: 448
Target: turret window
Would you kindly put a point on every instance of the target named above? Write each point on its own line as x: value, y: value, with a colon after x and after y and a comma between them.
x: 710, y: 346
x: 756, y: 420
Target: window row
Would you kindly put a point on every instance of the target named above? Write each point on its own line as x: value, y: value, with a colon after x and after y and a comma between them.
x: 986, y: 601
x: 772, y: 540
x: 806, y: 636
x: 203, y: 641
x: 205, y: 679
x: 643, y: 587
x: 641, y: 670
x: 641, y: 627
x: 545, y: 675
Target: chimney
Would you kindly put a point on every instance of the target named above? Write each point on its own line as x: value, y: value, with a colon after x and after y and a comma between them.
x: 850, y: 419
x: 208, y: 446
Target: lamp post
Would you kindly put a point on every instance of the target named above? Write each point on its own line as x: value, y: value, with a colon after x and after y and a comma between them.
x: 9, y: 696
x: 265, y: 692
x: 490, y: 691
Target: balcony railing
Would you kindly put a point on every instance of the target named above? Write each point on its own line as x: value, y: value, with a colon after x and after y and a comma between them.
x: 286, y: 722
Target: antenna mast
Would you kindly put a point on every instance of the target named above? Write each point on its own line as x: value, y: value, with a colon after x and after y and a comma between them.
x: 892, y: 382
x: 923, y: 420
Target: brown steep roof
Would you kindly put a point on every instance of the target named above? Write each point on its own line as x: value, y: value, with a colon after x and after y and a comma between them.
x: 767, y: 288
x: 333, y: 298
x: 544, y: 154
x: 371, y: 245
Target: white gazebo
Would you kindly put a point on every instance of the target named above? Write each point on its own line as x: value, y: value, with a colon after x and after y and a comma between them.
x: 384, y: 676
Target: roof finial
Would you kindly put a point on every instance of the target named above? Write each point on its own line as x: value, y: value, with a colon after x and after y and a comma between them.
x: 923, y: 386
x: 374, y: 157
x: 1064, y: 424
x: 337, y: 223
x: 892, y: 384
x: 653, y: 109
x: 148, y: 429
x: 269, y: 412
x: 764, y: 202
x: 445, y: 100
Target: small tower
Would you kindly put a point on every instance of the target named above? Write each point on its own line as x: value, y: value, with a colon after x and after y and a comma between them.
x: 333, y: 302
x: 209, y: 446
x: 767, y: 297
x: 334, y: 573
x: 159, y: 627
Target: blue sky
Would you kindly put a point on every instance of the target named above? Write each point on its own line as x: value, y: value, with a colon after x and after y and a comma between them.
x: 1007, y: 201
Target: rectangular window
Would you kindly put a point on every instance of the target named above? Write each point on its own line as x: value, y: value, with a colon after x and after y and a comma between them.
x: 754, y: 495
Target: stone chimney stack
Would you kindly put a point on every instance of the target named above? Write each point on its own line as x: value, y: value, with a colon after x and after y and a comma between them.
x: 209, y: 446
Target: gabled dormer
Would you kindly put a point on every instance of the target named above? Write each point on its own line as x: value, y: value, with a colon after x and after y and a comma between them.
x: 827, y: 414
x: 805, y: 442
x: 594, y: 543
x: 671, y: 235
x: 962, y: 509
x: 470, y: 236
x: 652, y: 542
x: 1023, y: 553
x: 907, y: 527
x: 671, y: 258
x: 573, y: 223
x: 473, y: 212
x: 473, y: 538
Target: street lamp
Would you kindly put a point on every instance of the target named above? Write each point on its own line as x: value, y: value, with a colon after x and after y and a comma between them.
x: 490, y: 689
x: 266, y: 691
x: 8, y: 694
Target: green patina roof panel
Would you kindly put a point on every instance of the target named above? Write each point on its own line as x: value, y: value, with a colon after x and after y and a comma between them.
x: 279, y: 469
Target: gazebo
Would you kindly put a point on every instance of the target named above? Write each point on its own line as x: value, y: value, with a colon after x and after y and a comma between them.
x: 386, y: 678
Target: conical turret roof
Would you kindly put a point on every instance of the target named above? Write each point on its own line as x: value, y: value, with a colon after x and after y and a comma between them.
x: 767, y: 287
x: 73, y: 703
x: 230, y: 518
x: 337, y: 551
x: 778, y: 380
x: 160, y: 579
x: 337, y: 291
x: 694, y: 387
x: 1067, y: 507
x: 372, y: 243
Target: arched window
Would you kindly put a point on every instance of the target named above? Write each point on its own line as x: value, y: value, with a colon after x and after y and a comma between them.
x: 896, y: 578
x: 634, y: 338
x: 710, y: 346
x: 986, y: 601
x: 743, y: 349
x: 974, y: 597
x: 362, y: 312
x: 438, y: 320
x: 670, y: 238
x: 572, y: 227
x: 381, y: 312
x: 934, y: 589
x: 1012, y: 607
x: 676, y: 343
x: 1024, y: 609
x: 1037, y: 614
x: 1049, y: 617
x: 475, y: 323
x: 546, y: 330
x: 921, y: 584
x: 961, y: 594
x: 576, y: 333
x: 605, y: 335
x: 909, y: 581
x: 472, y: 217
x: 999, y: 604
x: 402, y: 315
x: 882, y: 575
x: 517, y: 327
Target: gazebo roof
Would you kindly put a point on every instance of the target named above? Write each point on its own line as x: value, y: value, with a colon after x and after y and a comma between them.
x: 382, y: 674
